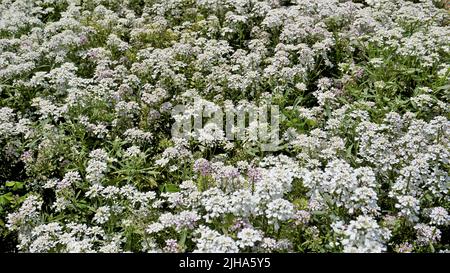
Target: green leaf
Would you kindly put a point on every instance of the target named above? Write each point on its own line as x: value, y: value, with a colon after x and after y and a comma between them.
x: 251, y: 151
x: 445, y: 87
x: 7, y: 198
x: 349, y: 151
x: 311, y: 122
x: 150, y: 181
x: 83, y: 205
x: 319, y: 212
x: 171, y: 188
x: 14, y: 184
x: 183, y: 238
x: 3, y: 200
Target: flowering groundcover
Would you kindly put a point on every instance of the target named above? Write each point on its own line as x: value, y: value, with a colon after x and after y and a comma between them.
x: 333, y: 132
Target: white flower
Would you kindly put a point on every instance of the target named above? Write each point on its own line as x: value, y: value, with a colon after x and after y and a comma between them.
x: 302, y: 217
x: 215, y: 202
x: 99, y: 154
x: 28, y: 211
x: 409, y: 207
x: 211, y: 241
x: 279, y: 209
x: 186, y: 219
x: 102, y: 215
x: 248, y: 237
x: 210, y: 134
x: 95, y: 170
x: 133, y: 151
x: 135, y: 135
x: 439, y: 216
x: 154, y: 228
x: 427, y: 234
x: 362, y: 235
x: 69, y: 179
x: 167, y: 219
x: 244, y: 203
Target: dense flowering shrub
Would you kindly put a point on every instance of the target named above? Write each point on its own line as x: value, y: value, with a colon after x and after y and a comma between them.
x: 88, y: 161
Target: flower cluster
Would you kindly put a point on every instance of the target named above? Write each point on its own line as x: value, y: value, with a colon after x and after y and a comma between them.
x: 112, y: 136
